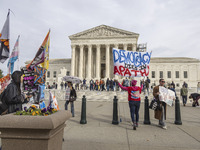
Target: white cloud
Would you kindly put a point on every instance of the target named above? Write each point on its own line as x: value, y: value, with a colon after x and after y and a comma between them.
x: 170, y: 27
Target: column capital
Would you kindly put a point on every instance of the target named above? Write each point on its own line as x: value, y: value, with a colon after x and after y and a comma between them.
x: 98, y: 45
x: 107, y: 45
x: 116, y: 45
x: 73, y: 45
x: 81, y: 46
x: 89, y: 46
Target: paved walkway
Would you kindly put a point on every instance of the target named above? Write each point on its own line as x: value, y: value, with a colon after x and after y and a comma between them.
x: 100, y: 134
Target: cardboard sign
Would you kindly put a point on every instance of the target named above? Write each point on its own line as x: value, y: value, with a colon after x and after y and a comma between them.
x: 40, y: 75
x: 166, y: 95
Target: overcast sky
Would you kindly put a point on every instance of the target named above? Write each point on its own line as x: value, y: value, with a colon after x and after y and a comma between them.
x: 171, y: 28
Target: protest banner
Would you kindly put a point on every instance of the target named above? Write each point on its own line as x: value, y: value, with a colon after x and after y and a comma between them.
x: 4, y: 82
x: 131, y: 64
x: 166, y: 95
x: 28, y: 83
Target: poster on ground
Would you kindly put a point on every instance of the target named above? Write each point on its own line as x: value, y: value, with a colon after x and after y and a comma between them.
x: 131, y: 64
x: 166, y: 95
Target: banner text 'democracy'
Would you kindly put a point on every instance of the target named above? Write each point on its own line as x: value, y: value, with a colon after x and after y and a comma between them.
x: 131, y: 64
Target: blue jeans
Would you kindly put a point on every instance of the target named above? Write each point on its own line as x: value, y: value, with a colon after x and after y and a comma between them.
x: 134, y: 110
x: 72, y: 107
x: 107, y: 87
x: 184, y: 98
x: 91, y: 87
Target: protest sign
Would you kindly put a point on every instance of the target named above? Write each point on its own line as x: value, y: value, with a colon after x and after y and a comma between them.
x: 131, y: 64
x: 40, y: 75
x: 4, y: 82
x: 166, y: 95
x: 28, y: 82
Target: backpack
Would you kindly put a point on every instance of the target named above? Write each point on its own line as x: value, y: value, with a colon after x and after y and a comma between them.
x: 3, y: 105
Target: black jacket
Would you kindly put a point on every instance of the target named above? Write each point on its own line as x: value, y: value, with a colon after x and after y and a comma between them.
x: 13, y: 98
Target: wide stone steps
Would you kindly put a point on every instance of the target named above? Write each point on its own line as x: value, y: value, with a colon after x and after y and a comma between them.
x: 99, y: 95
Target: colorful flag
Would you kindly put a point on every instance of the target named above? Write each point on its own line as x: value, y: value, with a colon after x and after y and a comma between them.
x: 40, y: 55
x: 13, y: 57
x: 4, y: 82
x: 4, y: 40
x: 131, y: 64
x: 45, y: 64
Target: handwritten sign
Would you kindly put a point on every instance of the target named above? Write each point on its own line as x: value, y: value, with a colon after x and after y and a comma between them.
x: 28, y: 83
x: 166, y: 95
x: 40, y: 74
x: 131, y: 64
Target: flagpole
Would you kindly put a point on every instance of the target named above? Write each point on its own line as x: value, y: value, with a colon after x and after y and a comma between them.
x: 18, y: 53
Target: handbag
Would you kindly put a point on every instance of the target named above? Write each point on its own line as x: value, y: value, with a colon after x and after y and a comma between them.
x: 153, y: 105
x: 72, y: 98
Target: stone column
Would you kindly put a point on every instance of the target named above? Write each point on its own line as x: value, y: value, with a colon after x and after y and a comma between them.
x: 89, y: 62
x: 73, y: 61
x: 107, y: 61
x: 125, y: 46
x: 98, y: 63
x: 81, y: 62
x: 134, y: 47
x: 116, y: 46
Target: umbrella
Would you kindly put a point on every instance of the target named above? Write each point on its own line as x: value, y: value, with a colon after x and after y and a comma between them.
x: 71, y: 79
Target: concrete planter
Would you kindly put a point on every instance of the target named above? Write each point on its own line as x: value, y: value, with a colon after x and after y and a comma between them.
x: 33, y: 132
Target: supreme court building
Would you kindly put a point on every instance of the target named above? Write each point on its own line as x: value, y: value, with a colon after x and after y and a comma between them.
x: 92, y: 59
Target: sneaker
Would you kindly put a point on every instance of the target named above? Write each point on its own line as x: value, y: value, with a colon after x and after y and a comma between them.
x: 164, y: 127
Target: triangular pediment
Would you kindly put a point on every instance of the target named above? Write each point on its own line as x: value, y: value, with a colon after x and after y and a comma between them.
x: 103, y: 31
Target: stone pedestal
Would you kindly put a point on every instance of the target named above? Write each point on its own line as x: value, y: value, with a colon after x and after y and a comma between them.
x: 33, y: 132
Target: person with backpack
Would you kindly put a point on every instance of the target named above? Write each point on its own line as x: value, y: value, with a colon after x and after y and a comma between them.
x: 70, y: 97
x: 134, y: 100
x: 12, y: 97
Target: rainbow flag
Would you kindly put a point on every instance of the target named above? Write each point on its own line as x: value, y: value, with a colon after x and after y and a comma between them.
x: 42, y: 55
x: 13, y: 57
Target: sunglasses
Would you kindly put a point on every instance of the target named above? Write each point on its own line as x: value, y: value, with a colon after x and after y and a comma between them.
x: 163, y: 81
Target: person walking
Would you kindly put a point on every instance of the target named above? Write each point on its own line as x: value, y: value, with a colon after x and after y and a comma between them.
x: 160, y: 114
x: 134, y: 101
x: 84, y: 84
x: 70, y: 97
x: 184, y: 94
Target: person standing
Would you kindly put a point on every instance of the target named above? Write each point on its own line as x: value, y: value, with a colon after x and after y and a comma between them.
x: 173, y: 84
x: 70, y: 97
x: 134, y: 100
x: 13, y: 96
x: 184, y: 93
x: 160, y: 114
x: 62, y: 84
x: 65, y: 85
x: 147, y: 86
x: 107, y: 84
x: 84, y: 84
x: 91, y: 84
